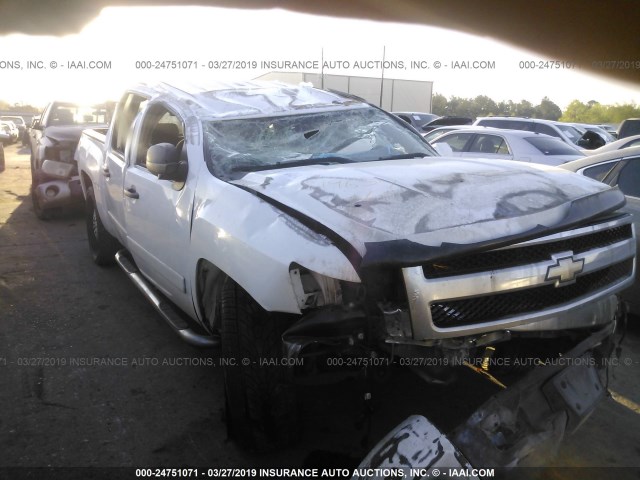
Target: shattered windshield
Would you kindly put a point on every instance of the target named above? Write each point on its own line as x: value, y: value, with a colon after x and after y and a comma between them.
x: 337, y: 136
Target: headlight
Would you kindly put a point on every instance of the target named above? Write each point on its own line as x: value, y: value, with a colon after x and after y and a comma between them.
x: 313, y: 289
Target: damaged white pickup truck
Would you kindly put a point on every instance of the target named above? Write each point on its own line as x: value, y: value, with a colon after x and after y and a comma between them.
x: 290, y: 222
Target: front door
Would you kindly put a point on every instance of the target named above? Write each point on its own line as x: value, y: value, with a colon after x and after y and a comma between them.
x: 158, y: 212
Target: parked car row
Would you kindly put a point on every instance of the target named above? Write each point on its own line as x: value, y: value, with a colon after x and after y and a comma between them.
x: 9, y: 132
x: 585, y: 136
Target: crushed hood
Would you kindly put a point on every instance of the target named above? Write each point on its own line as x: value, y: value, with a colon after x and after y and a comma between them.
x: 406, y: 210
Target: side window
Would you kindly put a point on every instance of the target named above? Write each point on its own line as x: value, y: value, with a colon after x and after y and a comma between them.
x: 160, y: 125
x: 456, y: 141
x: 598, y: 172
x: 128, y: 108
x: 45, y: 114
x: 629, y: 178
x: 489, y: 144
x: 547, y: 130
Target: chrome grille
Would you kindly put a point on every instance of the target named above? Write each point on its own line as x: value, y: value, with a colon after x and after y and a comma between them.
x: 494, y: 307
x: 517, y: 285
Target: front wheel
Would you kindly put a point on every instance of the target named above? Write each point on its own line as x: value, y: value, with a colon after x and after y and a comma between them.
x: 261, y: 406
x: 102, y: 244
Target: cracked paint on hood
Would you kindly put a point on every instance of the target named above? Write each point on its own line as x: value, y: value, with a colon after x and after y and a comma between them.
x: 427, y: 201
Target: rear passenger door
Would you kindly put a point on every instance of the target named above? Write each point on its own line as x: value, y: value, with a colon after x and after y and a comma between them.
x: 158, y: 212
x: 484, y: 145
x: 113, y: 168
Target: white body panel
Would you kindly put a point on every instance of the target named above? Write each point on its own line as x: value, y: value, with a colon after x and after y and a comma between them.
x: 425, y: 200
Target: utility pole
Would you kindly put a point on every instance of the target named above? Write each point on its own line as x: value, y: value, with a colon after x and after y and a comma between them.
x: 382, y: 76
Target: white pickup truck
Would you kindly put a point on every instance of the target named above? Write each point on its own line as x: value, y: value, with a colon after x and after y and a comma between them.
x: 287, y: 222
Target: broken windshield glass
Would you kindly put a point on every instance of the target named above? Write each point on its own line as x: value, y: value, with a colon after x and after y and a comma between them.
x: 333, y: 136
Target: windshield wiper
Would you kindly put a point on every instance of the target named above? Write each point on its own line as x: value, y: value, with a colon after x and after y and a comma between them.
x: 325, y: 160
x: 405, y: 155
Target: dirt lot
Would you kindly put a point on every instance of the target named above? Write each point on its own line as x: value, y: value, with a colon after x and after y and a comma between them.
x: 62, y: 319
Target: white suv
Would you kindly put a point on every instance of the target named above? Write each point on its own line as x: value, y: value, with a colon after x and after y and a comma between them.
x: 563, y: 131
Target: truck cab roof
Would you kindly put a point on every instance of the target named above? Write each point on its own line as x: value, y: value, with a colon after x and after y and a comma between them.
x: 246, y: 99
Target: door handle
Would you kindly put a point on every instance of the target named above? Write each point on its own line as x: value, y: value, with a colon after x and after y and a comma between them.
x: 131, y: 192
x: 105, y: 171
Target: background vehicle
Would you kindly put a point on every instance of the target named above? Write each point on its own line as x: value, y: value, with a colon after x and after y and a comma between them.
x: 564, y: 131
x: 436, y: 132
x: 632, y: 141
x: 610, y: 129
x: 605, y: 135
x: 619, y: 168
x: 372, y: 247
x: 629, y: 127
x: 5, y: 133
x: 446, y: 121
x: 19, y: 123
x: 11, y: 129
x: 506, y: 145
x: 416, y: 119
x: 53, y: 140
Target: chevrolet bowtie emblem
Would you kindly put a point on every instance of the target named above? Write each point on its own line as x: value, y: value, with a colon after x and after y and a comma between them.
x: 565, y: 270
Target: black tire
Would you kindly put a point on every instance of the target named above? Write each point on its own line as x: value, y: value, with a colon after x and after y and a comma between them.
x: 102, y: 244
x: 261, y: 406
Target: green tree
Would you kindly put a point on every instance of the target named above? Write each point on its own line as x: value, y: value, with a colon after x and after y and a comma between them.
x: 576, y: 111
x: 547, y: 110
x: 438, y: 104
x: 484, y: 106
x: 524, y: 109
x: 506, y: 109
x: 617, y: 113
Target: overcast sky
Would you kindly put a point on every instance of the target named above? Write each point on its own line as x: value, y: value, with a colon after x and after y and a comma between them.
x: 238, y: 40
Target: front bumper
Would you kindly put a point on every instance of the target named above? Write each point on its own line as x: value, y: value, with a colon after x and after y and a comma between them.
x: 520, y: 426
x: 59, y: 193
x: 60, y: 187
